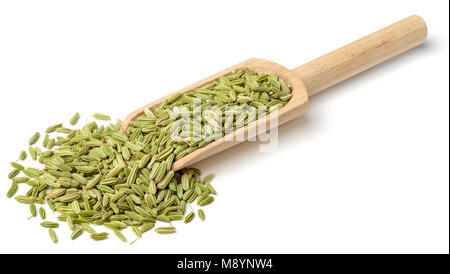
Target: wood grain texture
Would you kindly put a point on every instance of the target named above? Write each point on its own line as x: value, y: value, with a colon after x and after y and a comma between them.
x: 308, y: 79
x: 362, y: 54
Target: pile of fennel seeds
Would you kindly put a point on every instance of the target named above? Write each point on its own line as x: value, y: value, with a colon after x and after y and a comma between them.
x: 99, y: 175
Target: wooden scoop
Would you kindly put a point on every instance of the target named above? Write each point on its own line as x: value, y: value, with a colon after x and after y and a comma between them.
x: 310, y: 78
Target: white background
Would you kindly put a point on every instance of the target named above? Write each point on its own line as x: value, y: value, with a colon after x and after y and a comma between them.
x: 365, y: 171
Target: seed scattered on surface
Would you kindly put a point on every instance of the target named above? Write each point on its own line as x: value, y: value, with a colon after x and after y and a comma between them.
x: 32, y: 173
x: 12, y: 190
x: 70, y: 223
x: 74, y: 118
x: 48, y: 224
x: 76, y: 233
x: 102, y: 117
x: 120, y: 235
x: 33, y: 210
x: 206, y: 201
x: 51, y: 129
x: 208, y: 178
x: 42, y: 213
x: 146, y: 227
x: 211, y: 188
x: 32, y: 152
x: 45, y: 141
x: 136, y: 231
x: 20, y: 180
x: 23, y: 199
x: 163, y: 218
x: 99, y: 236
x: 201, y: 214
x: 165, y: 229
x: 17, y: 166
x: 13, y: 173
x: 52, y: 235
x: 33, y: 139
x: 88, y: 228
x: 51, y: 204
x: 22, y: 155
x: 50, y: 144
x: 189, y: 217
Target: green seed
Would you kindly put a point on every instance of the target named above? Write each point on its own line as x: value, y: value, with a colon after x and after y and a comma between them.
x: 32, y: 152
x: 64, y: 130
x: 146, y: 227
x: 52, y: 235
x: 50, y: 144
x: 69, y: 197
x: 21, y: 180
x: 45, y: 141
x: 175, y: 216
x: 99, y: 174
x: 70, y: 223
x: 136, y: 231
x: 201, y: 214
x: 165, y: 229
x: 76, y: 233
x: 208, y: 178
x: 88, y: 228
x: 206, y: 201
x: 54, y: 194
x: 189, y: 217
x: 120, y: 235
x: 17, y: 166
x: 33, y: 139
x: 99, y: 236
x: 42, y: 213
x: 33, y: 210
x: 13, y: 173
x: 185, y: 181
x: 80, y: 178
x: 12, y: 190
x: 74, y: 120
x: 38, y: 151
x: 187, y: 195
x: 76, y: 207
x: 23, y: 199
x: 211, y: 188
x: 102, y: 117
x: 51, y: 204
x: 51, y: 129
x: 22, y: 155
x: 163, y: 218
x: 48, y: 224
x: 31, y: 173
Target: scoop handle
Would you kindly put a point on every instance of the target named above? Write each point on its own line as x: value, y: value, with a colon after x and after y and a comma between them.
x: 362, y: 54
